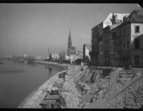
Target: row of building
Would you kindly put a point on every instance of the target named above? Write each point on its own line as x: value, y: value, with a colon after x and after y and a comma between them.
x: 118, y: 40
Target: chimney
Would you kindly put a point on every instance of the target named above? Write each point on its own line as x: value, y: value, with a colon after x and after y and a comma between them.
x: 113, y: 18
x: 116, y: 18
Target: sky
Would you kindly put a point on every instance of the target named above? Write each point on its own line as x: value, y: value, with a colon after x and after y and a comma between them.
x: 32, y: 28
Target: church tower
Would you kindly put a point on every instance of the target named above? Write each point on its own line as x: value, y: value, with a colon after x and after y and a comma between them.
x: 69, y: 44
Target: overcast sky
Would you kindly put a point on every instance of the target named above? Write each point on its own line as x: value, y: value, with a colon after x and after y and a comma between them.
x: 33, y: 28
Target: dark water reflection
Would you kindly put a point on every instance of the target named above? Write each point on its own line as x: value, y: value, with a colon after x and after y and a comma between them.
x: 18, y: 80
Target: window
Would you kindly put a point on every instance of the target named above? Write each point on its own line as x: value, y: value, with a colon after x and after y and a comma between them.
x: 137, y: 44
x: 137, y: 60
x: 137, y: 29
x: 114, y: 35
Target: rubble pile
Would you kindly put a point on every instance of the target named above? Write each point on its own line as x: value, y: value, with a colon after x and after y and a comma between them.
x: 71, y: 94
x: 92, y: 87
x: 103, y: 91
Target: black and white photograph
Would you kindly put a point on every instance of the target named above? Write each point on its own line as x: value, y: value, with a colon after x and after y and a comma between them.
x: 71, y: 55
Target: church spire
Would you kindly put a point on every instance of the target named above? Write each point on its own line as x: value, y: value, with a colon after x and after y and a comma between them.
x: 69, y: 33
x: 69, y: 43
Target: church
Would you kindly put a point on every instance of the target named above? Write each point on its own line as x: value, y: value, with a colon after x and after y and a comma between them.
x: 70, y: 50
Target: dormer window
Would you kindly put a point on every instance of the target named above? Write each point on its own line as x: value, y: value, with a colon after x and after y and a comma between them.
x: 137, y: 29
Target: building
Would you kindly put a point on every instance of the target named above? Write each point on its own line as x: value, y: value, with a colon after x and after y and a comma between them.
x: 69, y: 44
x: 136, y: 38
x: 71, y: 50
x: 86, y: 52
x: 137, y: 52
x: 79, y: 55
x: 106, y: 38
x: 118, y: 43
x: 55, y: 56
x: 97, y: 37
x: 62, y: 56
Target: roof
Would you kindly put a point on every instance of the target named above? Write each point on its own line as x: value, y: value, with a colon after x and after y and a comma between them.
x: 120, y: 16
x: 115, y: 25
x: 107, y: 20
x: 136, y: 16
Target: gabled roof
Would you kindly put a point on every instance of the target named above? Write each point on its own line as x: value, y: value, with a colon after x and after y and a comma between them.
x: 136, y: 16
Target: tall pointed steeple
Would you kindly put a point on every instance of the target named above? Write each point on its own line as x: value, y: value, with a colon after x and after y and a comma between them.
x: 70, y: 33
x: 69, y: 43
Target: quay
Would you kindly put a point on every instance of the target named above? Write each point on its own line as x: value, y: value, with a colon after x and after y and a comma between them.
x: 53, y: 64
x: 34, y: 99
x: 89, y: 87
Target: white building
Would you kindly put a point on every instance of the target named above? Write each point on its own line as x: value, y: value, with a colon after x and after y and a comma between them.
x: 55, y: 56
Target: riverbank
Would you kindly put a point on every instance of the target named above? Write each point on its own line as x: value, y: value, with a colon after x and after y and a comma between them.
x: 33, y: 100
x: 109, y: 88
x: 53, y: 64
x: 92, y: 87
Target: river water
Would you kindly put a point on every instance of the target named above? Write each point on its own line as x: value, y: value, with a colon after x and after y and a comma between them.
x: 18, y: 80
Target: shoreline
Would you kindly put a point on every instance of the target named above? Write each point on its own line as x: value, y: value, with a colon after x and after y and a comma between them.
x: 53, y: 64
x: 80, y: 91
x: 38, y: 91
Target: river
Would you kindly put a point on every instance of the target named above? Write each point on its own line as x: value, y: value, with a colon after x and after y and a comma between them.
x: 18, y: 80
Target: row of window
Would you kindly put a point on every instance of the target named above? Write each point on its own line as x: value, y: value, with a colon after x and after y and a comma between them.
x: 120, y: 31
x: 106, y: 59
x: 124, y: 46
x: 118, y: 47
x: 103, y: 58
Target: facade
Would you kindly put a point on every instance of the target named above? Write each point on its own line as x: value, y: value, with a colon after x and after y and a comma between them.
x: 97, y: 32
x: 86, y: 51
x: 119, y: 43
x: 106, y: 38
x: 73, y: 51
x: 55, y: 56
x: 62, y: 55
x: 137, y: 52
x: 94, y: 42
